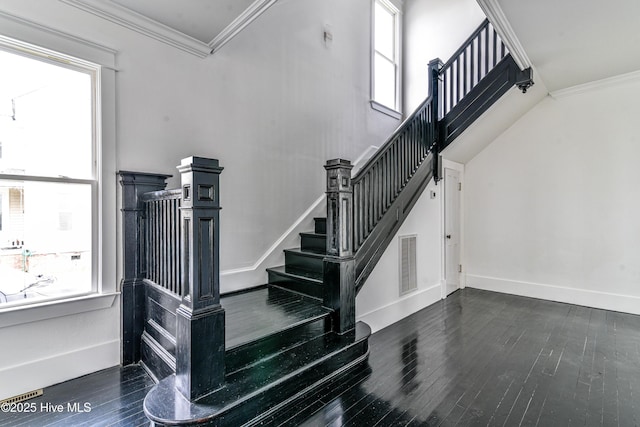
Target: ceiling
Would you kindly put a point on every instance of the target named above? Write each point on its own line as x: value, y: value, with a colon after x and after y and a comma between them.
x: 568, y: 42
x: 196, y: 26
x: 573, y: 42
x: 201, y: 19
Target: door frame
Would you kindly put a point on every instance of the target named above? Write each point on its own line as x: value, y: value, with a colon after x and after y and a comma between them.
x: 462, y: 279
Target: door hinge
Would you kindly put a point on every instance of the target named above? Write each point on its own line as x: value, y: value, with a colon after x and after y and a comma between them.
x: 459, y: 186
x: 459, y: 268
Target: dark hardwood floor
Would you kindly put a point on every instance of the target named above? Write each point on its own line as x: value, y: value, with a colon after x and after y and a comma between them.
x: 476, y: 358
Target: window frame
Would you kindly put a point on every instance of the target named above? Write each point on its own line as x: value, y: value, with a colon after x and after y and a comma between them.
x: 40, y: 38
x: 394, y: 111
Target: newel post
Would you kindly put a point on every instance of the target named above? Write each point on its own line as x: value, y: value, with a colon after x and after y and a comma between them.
x: 200, y: 318
x: 134, y: 185
x: 435, y: 65
x: 339, y: 264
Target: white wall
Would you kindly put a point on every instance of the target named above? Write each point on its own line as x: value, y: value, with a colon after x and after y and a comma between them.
x: 273, y: 105
x: 379, y: 303
x: 425, y: 24
x: 552, y: 206
x: 433, y: 29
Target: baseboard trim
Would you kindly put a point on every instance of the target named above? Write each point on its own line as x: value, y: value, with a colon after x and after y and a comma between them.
x: 18, y: 379
x: 584, y: 297
x: 397, y: 310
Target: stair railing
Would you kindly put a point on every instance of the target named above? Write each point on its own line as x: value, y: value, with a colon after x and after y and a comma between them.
x: 171, y: 241
x: 365, y: 211
x: 162, y: 236
x: 477, y: 56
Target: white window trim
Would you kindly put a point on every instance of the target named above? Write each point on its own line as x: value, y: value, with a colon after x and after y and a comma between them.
x: 390, y: 111
x: 106, y: 292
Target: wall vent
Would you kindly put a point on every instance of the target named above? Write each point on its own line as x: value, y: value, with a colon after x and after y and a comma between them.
x: 408, y: 269
x: 22, y: 397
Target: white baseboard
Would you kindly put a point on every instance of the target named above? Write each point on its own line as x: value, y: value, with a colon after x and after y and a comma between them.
x: 588, y: 298
x: 36, y: 374
x: 399, y: 309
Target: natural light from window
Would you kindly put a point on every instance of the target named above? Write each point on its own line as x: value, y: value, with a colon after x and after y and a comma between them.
x: 385, y: 61
x: 47, y: 177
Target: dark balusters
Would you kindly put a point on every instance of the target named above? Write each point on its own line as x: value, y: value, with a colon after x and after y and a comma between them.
x: 163, y: 239
x: 469, y: 64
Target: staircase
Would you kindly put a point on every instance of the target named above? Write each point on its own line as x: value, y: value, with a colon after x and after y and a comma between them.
x: 279, y: 351
x: 241, y: 358
x: 303, y: 267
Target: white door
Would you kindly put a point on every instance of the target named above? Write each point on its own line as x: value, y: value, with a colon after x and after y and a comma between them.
x: 452, y: 191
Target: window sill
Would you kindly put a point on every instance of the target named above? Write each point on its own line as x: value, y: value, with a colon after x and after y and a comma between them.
x: 386, y: 110
x: 51, y: 309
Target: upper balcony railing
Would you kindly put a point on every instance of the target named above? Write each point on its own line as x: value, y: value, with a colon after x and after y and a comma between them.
x: 477, y: 56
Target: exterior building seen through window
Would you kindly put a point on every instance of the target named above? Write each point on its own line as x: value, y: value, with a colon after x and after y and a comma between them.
x: 48, y: 185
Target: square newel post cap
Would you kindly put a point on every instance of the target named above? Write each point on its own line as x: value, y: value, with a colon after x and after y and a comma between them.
x: 338, y: 164
x: 436, y: 63
x: 200, y: 164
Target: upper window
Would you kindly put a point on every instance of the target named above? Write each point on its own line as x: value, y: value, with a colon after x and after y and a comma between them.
x: 386, y: 56
x: 48, y: 175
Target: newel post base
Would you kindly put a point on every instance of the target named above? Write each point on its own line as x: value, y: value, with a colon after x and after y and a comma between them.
x: 339, y: 278
x: 200, y: 351
x: 339, y: 266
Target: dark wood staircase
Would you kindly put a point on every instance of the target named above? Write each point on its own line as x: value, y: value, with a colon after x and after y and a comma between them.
x: 241, y: 358
x: 303, y: 267
x: 280, y: 346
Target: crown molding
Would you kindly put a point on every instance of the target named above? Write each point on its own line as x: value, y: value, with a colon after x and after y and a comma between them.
x: 631, y: 77
x: 40, y: 35
x: 249, y: 15
x: 498, y: 19
x: 135, y: 21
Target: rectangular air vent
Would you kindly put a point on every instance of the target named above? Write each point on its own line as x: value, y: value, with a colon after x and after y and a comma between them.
x: 408, y: 269
x: 22, y: 397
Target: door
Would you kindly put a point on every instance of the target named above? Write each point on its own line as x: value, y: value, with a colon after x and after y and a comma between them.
x: 452, y: 191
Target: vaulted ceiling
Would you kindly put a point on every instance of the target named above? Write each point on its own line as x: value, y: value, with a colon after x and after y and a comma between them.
x: 573, y: 42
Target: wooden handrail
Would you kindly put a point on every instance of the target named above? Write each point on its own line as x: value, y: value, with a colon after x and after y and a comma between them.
x: 466, y: 43
x: 477, y: 56
x: 364, y: 212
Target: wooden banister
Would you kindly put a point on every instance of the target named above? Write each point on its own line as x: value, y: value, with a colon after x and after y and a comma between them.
x: 383, y: 192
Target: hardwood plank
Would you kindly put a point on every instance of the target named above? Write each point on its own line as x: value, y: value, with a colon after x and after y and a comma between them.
x: 476, y: 358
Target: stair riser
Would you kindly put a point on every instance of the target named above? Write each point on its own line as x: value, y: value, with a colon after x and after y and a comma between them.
x: 313, y: 290
x: 245, y: 355
x: 320, y: 225
x: 313, y: 242
x: 299, y: 261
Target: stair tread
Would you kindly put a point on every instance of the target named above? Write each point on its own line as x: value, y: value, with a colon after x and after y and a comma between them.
x: 311, y: 253
x: 289, y: 361
x: 292, y: 371
x: 312, y: 233
x: 296, y: 273
x: 259, y: 313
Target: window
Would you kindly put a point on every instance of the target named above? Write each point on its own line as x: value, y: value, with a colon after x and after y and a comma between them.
x: 48, y: 174
x: 386, y: 57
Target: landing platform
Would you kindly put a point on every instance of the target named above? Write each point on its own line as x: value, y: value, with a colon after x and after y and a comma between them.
x: 264, y: 311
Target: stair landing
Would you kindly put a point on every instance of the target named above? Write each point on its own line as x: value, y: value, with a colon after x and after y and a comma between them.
x: 265, y: 311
